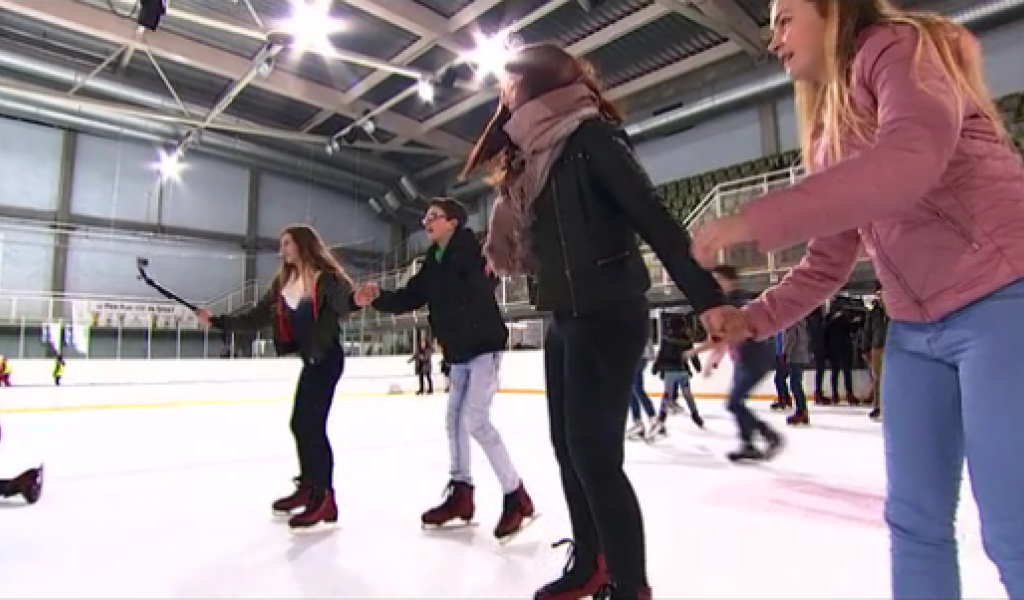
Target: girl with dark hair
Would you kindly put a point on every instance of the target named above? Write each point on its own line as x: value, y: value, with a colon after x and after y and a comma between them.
x: 910, y: 160
x: 306, y: 302
x: 572, y: 199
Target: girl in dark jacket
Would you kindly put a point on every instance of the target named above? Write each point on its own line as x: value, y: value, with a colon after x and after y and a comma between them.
x: 572, y: 199
x: 305, y: 303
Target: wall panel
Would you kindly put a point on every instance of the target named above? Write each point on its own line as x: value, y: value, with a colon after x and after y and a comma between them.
x: 115, y: 179
x: 339, y: 219
x: 195, y: 271
x: 30, y: 168
x: 210, y: 195
x: 26, y: 257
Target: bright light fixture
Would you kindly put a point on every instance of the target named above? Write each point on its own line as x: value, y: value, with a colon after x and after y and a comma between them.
x: 311, y: 25
x: 425, y: 89
x: 491, y: 54
x: 170, y: 165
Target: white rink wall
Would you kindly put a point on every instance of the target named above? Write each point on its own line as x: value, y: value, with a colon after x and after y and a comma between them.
x: 92, y: 383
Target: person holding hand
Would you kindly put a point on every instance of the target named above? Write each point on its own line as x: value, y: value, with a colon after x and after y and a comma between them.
x: 908, y: 158
x: 454, y: 284
x: 305, y: 303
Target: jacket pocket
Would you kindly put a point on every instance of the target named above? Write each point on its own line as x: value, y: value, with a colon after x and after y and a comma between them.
x: 612, y: 258
x: 952, y: 224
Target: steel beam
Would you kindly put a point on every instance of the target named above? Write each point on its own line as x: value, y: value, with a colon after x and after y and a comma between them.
x: 584, y: 46
x: 108, y: 26
x: 730, y: 21
x: 426, y: 41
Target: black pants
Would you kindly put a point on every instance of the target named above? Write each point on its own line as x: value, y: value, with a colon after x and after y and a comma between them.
x: 313, y: 398
x: 590, y: 363
x: 781, y: 380
x: 841, y: 363
x: 425, y: 378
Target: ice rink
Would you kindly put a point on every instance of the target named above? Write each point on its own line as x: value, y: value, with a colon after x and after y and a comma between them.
x: 173, y: 501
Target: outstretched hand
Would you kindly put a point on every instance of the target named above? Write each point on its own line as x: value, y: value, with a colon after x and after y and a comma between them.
x: 204, y: 316
x: 726, y: 324
x: 366, y: 294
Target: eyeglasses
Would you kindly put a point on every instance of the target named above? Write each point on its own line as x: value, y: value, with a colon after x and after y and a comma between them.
x: 430, y: 217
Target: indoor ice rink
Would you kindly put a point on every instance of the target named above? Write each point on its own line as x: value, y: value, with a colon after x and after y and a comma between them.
x: 154, y: 152
x: 173, y: 500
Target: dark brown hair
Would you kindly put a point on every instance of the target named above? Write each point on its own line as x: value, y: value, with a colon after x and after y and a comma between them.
x: 452, y: 208
x: 313, y: 253
x: 544, y: 68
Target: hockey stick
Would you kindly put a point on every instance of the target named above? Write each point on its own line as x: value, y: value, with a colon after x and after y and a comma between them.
x: 142, y: 264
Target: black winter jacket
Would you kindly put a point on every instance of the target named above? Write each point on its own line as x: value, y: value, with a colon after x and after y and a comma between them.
x: 586, y: 219
x: 672, y: 356
x: 464, y: 314
x: 332, y: 302
x: 876, y: 327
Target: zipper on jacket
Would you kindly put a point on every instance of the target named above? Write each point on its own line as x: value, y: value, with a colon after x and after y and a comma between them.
x: 955, y: 225
x: 892, y: 269
x: 565, y: 250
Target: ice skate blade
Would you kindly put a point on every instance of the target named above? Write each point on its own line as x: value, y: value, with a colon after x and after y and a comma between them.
x: 527, y: 522
x: 449, y: 526
x: 322, y: 527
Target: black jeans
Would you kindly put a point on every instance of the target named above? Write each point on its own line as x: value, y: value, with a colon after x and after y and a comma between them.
x: 313, y: 398
x: 590, y: 366
x: 426, y: 382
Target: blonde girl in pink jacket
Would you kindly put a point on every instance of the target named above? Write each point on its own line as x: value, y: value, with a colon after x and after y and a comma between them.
x: 910, y: 162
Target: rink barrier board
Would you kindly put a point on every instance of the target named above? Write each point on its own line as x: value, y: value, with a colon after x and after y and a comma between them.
x: 245, y: 381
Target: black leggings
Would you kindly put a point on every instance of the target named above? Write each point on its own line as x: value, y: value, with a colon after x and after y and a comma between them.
x: 425, y: 378
x: 590, y: 364
x: 313, y: 398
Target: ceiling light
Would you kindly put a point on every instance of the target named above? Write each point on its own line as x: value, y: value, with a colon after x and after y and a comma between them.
x: 170, y: 165
x: 491, y: 54
x: 425, y: 89
x: 312, y: 25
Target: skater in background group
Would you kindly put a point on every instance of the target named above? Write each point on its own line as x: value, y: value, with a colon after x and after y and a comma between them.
x: 673, y: 364
x: 797, y: 356
x: 308, y: 298
x: 572, y: 199
x: 58, y: 368
x: 454, y: 285
x: 641, y: 400
x: 752, y: 361
x: 909, y: 157
x: 876, y: 327
x: 423, y: 363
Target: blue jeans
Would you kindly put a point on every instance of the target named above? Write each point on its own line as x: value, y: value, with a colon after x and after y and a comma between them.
x: 745, y: 377
x: 473, y: 385
x: 640, y: 397
x: 954, y: 390
x: 676, y: 381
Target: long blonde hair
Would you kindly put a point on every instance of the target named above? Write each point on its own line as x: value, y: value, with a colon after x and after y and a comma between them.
x: 826, y: 110
x: 314, y: 255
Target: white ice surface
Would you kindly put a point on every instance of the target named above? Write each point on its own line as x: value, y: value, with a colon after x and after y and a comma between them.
x: 174, y: 502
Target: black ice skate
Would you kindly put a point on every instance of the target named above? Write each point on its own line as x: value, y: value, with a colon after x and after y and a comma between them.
x: 747, y: 453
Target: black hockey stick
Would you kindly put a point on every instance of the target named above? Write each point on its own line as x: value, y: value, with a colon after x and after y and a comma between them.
x: 142, y: 263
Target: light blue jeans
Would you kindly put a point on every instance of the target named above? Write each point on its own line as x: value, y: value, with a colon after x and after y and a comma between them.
x: 957, y: 390
x: 473, y: 385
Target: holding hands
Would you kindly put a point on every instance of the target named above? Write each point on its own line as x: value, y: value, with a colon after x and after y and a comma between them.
x: 366, y: 293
